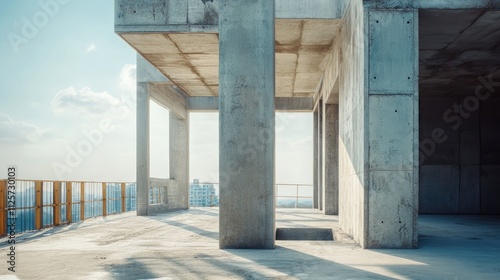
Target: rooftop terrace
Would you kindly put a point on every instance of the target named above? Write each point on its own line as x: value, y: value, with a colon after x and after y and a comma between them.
x: 184, y: 245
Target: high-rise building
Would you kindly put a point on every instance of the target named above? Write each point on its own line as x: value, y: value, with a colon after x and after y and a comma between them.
x: 202, y: 194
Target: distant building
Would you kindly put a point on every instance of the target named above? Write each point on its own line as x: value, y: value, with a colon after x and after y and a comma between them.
x: 202, y: 194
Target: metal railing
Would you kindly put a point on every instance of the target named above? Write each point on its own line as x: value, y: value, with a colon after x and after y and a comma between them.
x: 42, y: 204
x: 287, y: 195
x: 294, y: 196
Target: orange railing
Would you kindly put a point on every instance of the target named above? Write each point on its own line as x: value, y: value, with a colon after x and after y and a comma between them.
x: 36, y: 204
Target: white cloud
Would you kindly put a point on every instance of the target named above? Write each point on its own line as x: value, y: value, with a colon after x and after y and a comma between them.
x: 84, y: 101
x: 20, y: 132
x: 92, y: 47
x: 128, y: 77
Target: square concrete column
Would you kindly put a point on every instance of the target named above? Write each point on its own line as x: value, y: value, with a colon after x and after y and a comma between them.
x: 247, y: 124
x: 320, y: 155
x: 392, y: 128
x: 315, y: 159
x: 331, y: 159
x: 179, y: 162
x: 378, y: 125
x: 142, y: 158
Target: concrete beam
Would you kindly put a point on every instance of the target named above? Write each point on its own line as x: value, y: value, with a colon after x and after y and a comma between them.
x: 247, y: 124
x: 203, y: 103
x: 169, y: 98
x: 433, y: 4
x: 311, y: 9
x: 166, y: 16
x: 330, y: 65
x: 293, y: 104
x: 196, y: 16
x: 147, y: 73
x: 457, y: 4
x: 285, y: 104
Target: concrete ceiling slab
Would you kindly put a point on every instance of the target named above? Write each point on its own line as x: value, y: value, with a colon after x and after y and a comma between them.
x: 286, y: 63
x: 191, y: 60
x: 457, y: 47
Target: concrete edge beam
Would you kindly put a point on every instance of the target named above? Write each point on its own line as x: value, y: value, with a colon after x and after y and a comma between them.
x: 168, y: 98
x: 146, y: 72
x: 121, y: 29
x: 433, y: 4
x: 293, y: 104
x: 283, y: 104
x: 203, y: 103
x: 311, y: 9
x: 203, y: 16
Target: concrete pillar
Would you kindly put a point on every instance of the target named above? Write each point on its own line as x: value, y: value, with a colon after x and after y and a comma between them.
x: 315, y: 159
x: 247, y: 124
x: 142, y: 158
x: 378, y: 125
x: 179, y: 161
x: 320, y: 155
x: 331, y: 159
x: 391, y: 128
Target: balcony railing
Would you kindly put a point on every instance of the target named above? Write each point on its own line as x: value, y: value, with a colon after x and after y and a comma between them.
x: 294, y: 196
x: 287, y: 195
x: 42, y: 204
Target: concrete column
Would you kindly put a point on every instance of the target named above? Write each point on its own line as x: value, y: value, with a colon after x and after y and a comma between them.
x: 142, y: 158
x: 331, y: 159
x: 179, y: 162
x: 315, y: 159
x: 247, y: 124
x: 378, y: 125
x: 392, y: 128
x: 320, y: 155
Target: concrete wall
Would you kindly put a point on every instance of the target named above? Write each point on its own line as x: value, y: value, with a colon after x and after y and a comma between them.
x: 460, y: 156
x: 171, y: 196
x: 352, y: 115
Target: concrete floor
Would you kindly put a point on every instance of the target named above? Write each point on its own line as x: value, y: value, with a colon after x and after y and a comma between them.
x: 184, y: 245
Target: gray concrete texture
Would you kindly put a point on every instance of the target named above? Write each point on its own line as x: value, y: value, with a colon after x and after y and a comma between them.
x: 184, y: 245
x: 152, y: 85
x: 460, y: 171
x: 331, y: 159
x: 246, y: 124
x: 378, y: 127
x: 181, y: 39
x: 378, y: 60
x: 459, y: 133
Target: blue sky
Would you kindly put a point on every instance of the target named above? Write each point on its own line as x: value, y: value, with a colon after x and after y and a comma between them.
x: 67, y: 102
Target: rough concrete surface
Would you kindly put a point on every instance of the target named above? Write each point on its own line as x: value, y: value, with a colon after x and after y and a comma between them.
x: 184, y: 245
x: 247, y: 124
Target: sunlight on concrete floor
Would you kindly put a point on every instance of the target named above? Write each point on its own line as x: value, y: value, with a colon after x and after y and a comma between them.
x: 184, y: 245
